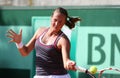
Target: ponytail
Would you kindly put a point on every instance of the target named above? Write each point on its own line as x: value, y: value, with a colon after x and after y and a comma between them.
x: 71, y: 22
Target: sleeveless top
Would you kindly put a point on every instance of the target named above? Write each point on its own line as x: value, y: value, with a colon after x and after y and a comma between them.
x: 49, y: 58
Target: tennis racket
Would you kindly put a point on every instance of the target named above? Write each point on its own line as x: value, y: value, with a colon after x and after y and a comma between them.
x: 81, y: 69
x: 106, y: 69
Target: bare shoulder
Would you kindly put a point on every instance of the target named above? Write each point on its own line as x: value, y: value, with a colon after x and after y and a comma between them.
x: 40, y: 31
x: 64, y: 39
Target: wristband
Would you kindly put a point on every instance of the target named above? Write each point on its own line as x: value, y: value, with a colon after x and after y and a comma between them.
x: 20, y: 45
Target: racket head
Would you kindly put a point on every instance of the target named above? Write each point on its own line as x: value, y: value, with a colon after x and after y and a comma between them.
x: 107, y: 69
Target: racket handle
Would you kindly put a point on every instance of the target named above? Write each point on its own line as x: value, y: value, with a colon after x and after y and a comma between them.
x: 81, y: 69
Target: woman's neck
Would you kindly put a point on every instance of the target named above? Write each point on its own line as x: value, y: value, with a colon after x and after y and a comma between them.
x: 53, y: 32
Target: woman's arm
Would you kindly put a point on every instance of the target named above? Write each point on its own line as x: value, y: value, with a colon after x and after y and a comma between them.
x: 26, y: 49
x: 65, y: 47
x: 17, y: 38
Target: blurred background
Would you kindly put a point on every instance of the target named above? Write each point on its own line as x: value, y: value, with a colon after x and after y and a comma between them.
x: 57, y: 3
x: 94, y: 41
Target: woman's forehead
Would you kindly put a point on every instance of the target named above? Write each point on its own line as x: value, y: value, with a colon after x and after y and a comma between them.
x: 58, y: 14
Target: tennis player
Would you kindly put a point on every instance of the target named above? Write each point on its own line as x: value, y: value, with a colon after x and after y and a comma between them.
x: 52, y: 46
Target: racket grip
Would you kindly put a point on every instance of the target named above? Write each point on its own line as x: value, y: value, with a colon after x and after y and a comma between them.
x: 81, y: 69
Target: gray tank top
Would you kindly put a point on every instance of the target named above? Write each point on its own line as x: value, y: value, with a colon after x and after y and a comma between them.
x: 49, y: 58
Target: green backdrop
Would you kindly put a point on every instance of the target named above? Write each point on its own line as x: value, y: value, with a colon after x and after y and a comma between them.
x: 95, y: 40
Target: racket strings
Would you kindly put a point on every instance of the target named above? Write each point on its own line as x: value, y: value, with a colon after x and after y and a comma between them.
x: 101, y: 71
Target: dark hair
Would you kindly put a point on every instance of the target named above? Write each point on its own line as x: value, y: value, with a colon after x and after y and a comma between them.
x: 70, y: 21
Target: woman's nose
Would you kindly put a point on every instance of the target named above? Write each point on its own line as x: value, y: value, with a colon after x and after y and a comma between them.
x: 56, y: 23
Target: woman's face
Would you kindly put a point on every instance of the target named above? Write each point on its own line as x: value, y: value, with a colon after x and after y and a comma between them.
x: 58, y: 20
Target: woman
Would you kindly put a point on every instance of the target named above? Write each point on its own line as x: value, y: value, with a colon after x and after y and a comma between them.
x: 52, y: 46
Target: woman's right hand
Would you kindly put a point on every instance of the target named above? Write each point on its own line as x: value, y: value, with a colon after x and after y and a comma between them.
x: 70, y: 65
x: 17, y: 38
